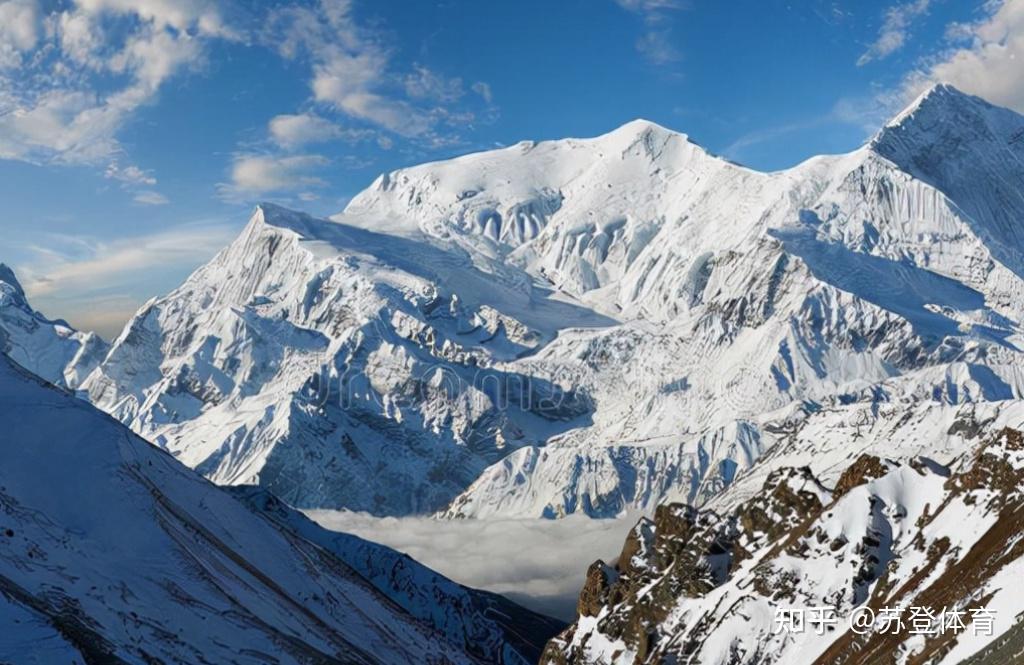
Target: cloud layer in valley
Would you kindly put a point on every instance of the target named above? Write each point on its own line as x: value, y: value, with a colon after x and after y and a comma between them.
x: 539, y: 563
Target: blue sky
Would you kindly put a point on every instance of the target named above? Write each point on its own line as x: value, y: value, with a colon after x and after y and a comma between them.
x: 135, y: 135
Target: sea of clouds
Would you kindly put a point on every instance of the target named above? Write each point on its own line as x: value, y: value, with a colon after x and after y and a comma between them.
x: 538, y: 563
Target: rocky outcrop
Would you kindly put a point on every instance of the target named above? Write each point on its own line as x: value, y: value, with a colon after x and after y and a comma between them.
x: 693, y: 586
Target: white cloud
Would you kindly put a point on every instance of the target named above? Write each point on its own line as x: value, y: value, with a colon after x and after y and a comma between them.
x: 253, y: 175
x: 894, y: 31
x: 73, y: 75
x: 151, y: 198
x: 80, y: 37
x: 348, y: 83
x: 291, y: 131
x: 981, y: 58
x: 62, y: 126
x: 152, y: 55
x: 484, y: 90
x: 352, y: 72
x: 650, y: 5
x: 544, y: 570
x: 20, y: 27
x: 656, y: 46
x: 656, y: 43
x: 349, y: 66
x: 423, y: 83
x: 130, y: 174
x: 201, y: 16
x: 71, y: 263
x: 67, y: 102
x: 97, y: 285
x: 990, y: 65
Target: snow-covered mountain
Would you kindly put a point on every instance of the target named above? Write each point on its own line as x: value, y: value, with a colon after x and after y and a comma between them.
x: 50, y: 349
x: 778, y: 578
x: 316, y: 359
x: 113, y: 552
x: 588, y: 325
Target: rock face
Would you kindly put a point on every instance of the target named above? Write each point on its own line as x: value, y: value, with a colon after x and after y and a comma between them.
x: 696, y: 586
x: 113, y: 552
x: 593, y: 325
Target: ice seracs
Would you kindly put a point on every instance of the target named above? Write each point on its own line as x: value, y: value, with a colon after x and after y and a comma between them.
x: 592, y: 325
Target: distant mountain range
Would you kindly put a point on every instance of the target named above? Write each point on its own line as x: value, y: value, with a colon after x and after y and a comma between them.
x: 627, y: 322
x: 594, y: 325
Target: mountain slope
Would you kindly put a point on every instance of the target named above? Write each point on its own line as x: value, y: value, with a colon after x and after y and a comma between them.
x: 487, y: 624
x: 323, y: 362
x: 591, y: 325
x: 50, y: 349
x: 705, y: 587
x: 111, y: 551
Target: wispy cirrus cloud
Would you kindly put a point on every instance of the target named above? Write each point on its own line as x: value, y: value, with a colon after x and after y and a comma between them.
x: 67, y: 262
x: 97, y: 284
x: 150, y: 198
x: 656, y: 44
x: 484, y: 90
x: 357, y: 93
x: 352, y: 73
x: 894, y: 31
x: 736, y: 150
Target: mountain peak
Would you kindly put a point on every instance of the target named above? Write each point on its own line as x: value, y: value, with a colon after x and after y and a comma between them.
x: 271, y: 214
x: 7, y: 276
x: 644, y: 129
x: 268, y: 208
x: 939, y: 98
x: 641, y: 125
x: 943, y: 123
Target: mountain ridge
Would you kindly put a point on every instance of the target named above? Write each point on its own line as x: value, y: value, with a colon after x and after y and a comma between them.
x: 49, y: 348
x: 715, y: 587
x: 476, y: 323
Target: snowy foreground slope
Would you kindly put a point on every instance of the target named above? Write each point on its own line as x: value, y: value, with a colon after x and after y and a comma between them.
x: 590, y: 325
x: 777, y: 578
x: 113, y: 552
